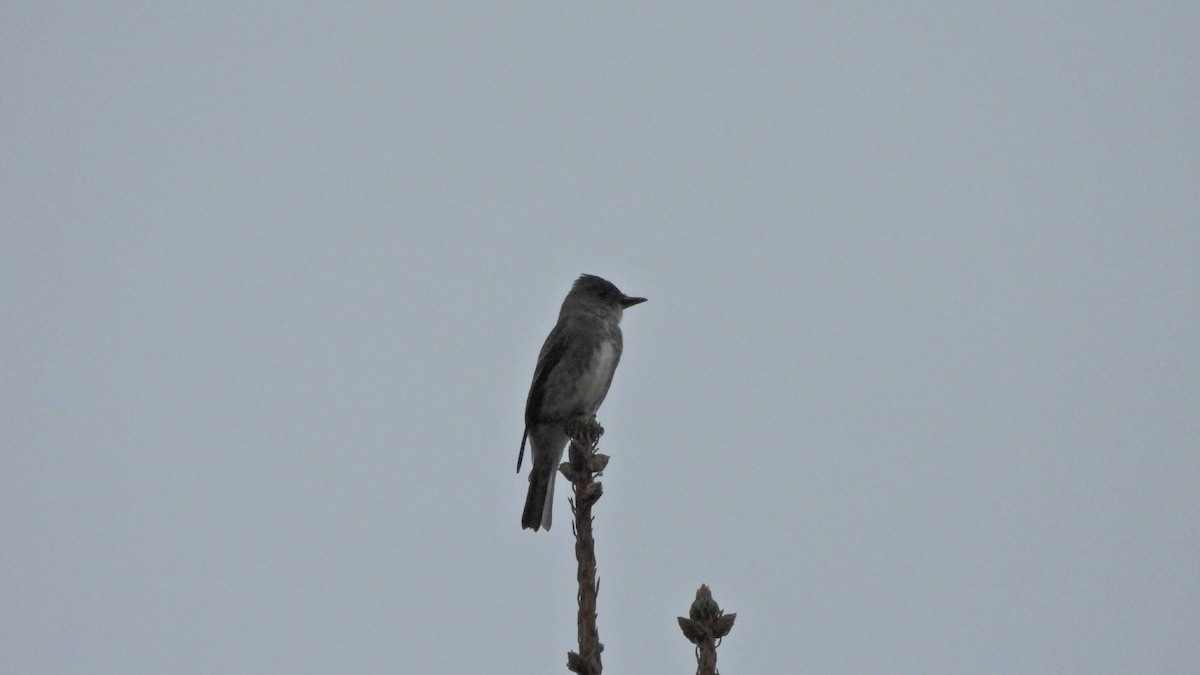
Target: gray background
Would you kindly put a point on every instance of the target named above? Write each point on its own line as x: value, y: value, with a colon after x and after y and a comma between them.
x: 917, y: 388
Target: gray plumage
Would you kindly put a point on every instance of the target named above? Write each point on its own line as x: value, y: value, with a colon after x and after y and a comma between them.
x: 573, y: 373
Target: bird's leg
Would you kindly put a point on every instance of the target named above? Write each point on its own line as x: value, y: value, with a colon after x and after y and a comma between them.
x: 584, y: 428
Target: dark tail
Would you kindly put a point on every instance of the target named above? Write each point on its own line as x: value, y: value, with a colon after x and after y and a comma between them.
x: 540, y: 500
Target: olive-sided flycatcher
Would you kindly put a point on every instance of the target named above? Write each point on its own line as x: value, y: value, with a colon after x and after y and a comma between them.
x: 574, y: 370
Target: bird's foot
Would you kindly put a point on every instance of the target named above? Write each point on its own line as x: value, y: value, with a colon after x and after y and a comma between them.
x: 585, y: 429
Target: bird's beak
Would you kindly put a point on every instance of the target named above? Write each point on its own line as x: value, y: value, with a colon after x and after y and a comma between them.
x: 627, y: 302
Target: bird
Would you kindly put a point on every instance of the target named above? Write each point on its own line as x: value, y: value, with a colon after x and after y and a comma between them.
x: 574, y: 371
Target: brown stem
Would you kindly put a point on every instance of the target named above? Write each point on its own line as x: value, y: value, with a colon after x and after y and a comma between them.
x: 705, y: 624
x: 584, y: 465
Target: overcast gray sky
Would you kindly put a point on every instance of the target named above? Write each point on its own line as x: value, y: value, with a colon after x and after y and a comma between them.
x: 917, y: 389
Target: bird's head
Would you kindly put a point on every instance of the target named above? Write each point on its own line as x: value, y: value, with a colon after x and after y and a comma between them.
x: 594, y: 294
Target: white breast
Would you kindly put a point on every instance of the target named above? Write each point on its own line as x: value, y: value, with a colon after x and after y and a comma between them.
x: 603, y: 362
